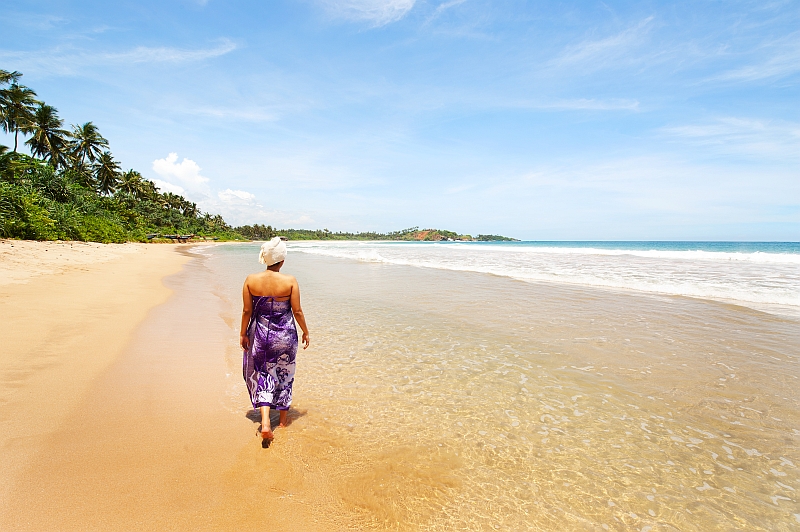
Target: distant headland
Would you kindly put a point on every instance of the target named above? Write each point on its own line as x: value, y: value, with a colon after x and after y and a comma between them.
x: 262, y: 232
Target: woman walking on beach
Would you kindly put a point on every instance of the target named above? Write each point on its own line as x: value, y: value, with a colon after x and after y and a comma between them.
x: 271, y: 304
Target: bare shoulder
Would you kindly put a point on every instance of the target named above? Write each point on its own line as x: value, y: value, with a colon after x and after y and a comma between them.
x: 289, y: 278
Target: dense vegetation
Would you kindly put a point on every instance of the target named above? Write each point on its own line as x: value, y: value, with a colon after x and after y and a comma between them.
x: 73, y: 188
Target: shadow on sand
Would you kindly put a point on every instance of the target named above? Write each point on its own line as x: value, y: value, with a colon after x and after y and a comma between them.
x: 274, y: 419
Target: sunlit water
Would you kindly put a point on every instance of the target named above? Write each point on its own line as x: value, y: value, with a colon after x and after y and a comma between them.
x: 457, y: 400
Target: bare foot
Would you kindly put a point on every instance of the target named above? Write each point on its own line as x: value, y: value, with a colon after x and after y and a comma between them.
x: 284, y: 419
x: 266, y: 433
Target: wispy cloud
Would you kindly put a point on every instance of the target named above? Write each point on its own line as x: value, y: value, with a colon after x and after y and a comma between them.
x: 738, y: 136
x: 598, y: 52
x: 782, y: 62
x: 144, y: 54
x: 248, y: 114
x: 444, y: 6
x: 374, y: 12
x: 592, y: 104
x: 33, y: 21
x: 69, y: 60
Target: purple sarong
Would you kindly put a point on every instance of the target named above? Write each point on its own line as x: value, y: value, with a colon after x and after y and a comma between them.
x: 268, y: 366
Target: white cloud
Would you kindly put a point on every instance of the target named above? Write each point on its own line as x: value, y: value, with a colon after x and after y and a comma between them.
x: 238, y: 207
x: 236, y: 197
x: 186, y: 172
x: 375, y: 12
x: 166, y: 186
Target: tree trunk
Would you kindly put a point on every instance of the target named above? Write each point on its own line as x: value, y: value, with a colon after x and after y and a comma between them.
x: 16, y: 135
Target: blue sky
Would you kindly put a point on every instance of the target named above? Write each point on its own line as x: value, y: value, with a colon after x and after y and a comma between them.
x: 584, y: 120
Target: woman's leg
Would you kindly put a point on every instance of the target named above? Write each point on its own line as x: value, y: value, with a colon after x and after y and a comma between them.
x: 284, y: 422
x: 266, y: 424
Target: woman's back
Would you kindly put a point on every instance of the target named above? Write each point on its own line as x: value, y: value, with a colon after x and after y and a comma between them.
x: 269, y: 283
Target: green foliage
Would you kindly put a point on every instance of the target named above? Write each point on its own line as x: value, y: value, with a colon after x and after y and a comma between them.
x: 257, y: 232
x: 38, y: 202
x: 495, y: 238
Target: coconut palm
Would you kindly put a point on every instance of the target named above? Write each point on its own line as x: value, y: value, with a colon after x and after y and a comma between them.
x: 149, y: 190
x: 87, y: 143
x: 7, y: 78
x: 132, y: 183
x: 189, y: 209
x: 17, y: 106
x: 172, y: 201
x: 48, y: 140
x: 106, y: 173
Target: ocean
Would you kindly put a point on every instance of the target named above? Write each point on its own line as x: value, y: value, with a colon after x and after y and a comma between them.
x: 539, y: 386
x: 761, y: 275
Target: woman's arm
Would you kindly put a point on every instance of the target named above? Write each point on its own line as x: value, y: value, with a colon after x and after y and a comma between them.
x: 298, y: 311
x: 247, y: 311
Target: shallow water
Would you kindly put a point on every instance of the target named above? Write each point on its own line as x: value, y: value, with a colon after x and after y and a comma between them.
x: 444, y: 400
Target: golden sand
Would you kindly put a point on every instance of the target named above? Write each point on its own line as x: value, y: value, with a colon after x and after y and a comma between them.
x: 66, y: 312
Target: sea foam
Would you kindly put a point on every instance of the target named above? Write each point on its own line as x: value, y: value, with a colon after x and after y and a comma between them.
x: 765, y: 280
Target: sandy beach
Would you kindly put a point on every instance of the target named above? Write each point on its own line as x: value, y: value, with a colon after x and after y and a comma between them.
x: 67, y: 310
x: 429, y: 400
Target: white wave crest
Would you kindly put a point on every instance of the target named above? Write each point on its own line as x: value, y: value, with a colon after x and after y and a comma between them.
x: 757, y: 279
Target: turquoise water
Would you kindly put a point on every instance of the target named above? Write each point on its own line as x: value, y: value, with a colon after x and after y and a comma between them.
x: 724, y: 247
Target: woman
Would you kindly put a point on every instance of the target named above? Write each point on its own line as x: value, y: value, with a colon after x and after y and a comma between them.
x: 269, y: 337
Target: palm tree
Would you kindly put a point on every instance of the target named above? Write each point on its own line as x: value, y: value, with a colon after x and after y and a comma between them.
x: 87, y: 143
x: 150, y: 190
x: 7, y: 78
x: 132, y: 183
x: 106, y: 173
x: 172, y: 201
x: 49, y: 141
x: 189, y: 209
x: 17, y: 105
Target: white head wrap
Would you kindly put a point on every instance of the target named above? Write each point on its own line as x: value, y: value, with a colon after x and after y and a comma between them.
x: 272, y: 252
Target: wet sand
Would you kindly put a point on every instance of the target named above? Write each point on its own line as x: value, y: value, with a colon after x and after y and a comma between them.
x: 432, y: 400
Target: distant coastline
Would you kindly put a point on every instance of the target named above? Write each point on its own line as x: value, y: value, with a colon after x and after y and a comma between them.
x: 261, y: 232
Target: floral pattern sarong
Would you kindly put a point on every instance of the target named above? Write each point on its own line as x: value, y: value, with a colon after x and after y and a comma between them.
x: 268, y: 366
